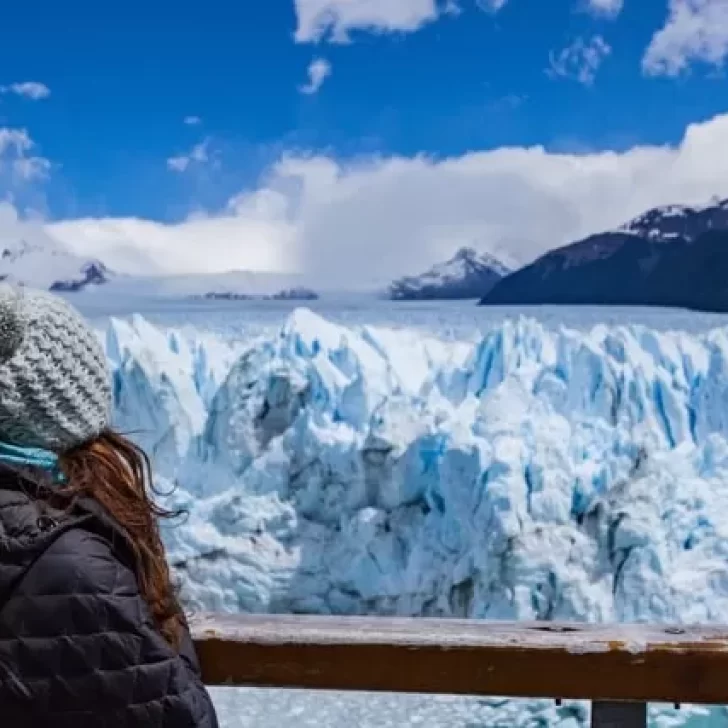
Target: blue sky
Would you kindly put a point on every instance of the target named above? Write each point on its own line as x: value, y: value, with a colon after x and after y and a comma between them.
x: 161, y: 111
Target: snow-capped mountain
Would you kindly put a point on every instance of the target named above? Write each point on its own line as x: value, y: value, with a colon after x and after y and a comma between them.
x: 44, y: 264
x: 94, y: 273
x: 468, y: 274
x: 669, y: 256
x: 679, y: 221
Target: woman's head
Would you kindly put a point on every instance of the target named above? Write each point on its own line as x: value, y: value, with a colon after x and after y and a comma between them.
x: 55, y: 384
x: 55, y: 394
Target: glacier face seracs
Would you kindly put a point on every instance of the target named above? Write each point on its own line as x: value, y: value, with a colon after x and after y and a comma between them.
x: 531, y: 474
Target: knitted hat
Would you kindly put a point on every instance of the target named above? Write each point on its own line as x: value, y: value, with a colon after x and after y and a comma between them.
x: 55, y: 385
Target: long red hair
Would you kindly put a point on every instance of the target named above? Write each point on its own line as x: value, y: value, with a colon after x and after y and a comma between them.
x: 116, y: 473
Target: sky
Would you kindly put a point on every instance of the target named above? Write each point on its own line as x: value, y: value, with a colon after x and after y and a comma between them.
x: 355, y: 140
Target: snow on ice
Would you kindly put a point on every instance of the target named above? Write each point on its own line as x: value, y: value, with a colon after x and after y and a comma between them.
x: 537, y: 473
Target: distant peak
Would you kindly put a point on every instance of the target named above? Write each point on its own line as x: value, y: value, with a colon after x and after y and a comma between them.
x: 466, y: 253
x: 469, y: 255
x: 42, y: 262
x: 467, y: 274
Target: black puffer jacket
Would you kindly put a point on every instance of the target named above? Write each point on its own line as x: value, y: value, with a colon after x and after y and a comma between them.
x: 78, y: 647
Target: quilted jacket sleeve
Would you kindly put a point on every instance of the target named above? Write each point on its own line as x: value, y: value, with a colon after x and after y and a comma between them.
x: 78, y: 646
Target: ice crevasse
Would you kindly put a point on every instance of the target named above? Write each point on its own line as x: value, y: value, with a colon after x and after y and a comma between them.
x: 533, y: 473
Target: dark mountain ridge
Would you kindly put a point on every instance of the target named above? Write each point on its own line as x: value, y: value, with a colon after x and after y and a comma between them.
x: 670, y: 256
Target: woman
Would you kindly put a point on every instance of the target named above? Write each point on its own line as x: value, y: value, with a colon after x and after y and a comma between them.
x: 91, y: 633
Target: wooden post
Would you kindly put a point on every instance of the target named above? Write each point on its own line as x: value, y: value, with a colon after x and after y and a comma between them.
x: 618, y: 715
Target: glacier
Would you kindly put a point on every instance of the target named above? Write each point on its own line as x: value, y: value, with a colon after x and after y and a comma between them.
x: 527, y: 472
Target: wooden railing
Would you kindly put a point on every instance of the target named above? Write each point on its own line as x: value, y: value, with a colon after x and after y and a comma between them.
x: 620, y: 668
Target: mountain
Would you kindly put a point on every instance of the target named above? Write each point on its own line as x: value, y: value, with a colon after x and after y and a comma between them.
x: 94, y: 273
x: 44, y: 264
x: 669, y: 256
x: 692, y: 275
x: 466, y: 275
x: 679, y: 221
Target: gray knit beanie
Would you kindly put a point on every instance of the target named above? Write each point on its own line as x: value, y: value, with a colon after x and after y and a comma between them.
x: 55, y: 385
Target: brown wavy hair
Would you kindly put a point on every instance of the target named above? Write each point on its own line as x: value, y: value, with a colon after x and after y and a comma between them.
x: 116, y: 473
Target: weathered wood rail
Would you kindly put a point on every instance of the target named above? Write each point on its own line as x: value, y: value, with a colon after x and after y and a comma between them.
x: 620, y: 668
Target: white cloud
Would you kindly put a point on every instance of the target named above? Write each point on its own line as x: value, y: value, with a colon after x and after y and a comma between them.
x: 29, y: 89
x: 695, y: 30
x: 31, y: 169
x: 366, y: 221
x: 16, y: 140
x: 248, y: 241
x: 334, y: 19
x: 199, y: 154
x: 492, y: 6
x: 605, y: 8
x: 318, y: 71
x: 178, y: 164
x: 192, y: 120
x: 18, y: 163
x: 580, y: 61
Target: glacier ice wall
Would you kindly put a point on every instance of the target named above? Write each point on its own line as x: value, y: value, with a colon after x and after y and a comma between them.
x: 531, y: 474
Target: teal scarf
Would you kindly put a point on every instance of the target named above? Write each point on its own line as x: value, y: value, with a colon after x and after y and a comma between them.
x: 31, y: 457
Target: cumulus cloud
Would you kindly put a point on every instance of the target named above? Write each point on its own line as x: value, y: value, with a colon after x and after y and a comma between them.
x: 29, y: 89
x: 318, y: 71
x: 249, y: 240
x: 605, y: 8
x: 579, y: 61
x: 335, y: 19
x: 695, y: 30
x: 199, y: 154
x: 14, y: 228
x: 14, y: 140
x: 18, y: 161
x: 363, y: 222
x: 192, y: 120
